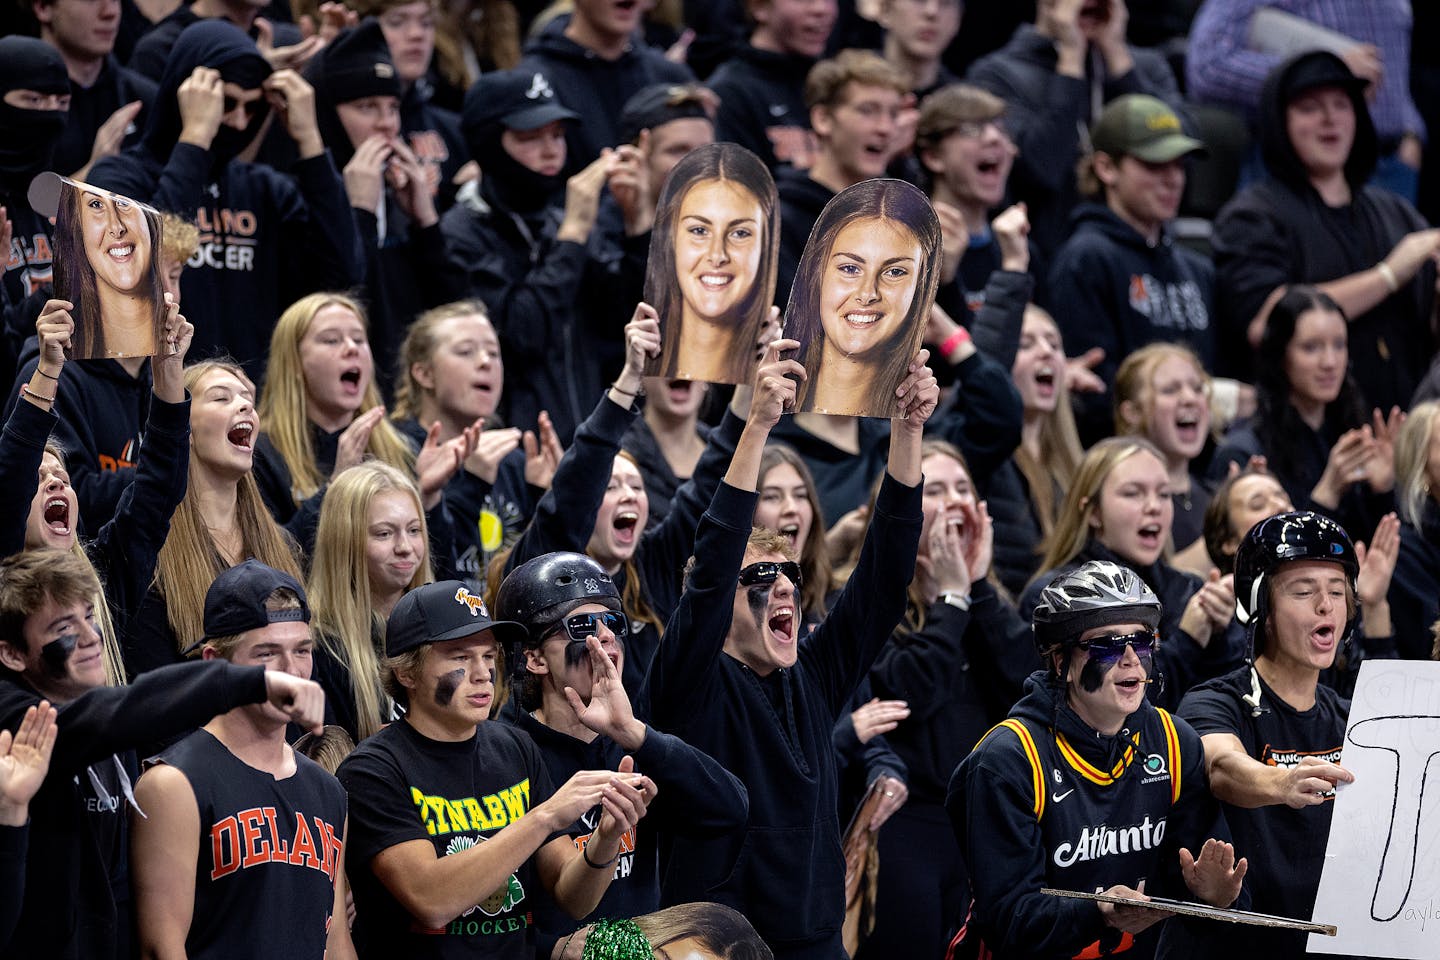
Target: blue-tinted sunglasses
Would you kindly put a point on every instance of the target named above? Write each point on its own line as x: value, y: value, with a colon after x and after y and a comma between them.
x: 1109, y: 650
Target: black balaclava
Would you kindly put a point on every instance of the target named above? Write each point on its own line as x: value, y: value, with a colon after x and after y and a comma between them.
x: 28, y: 137
x: 354, y: 65
x: 222, y: 46
x: 506, y: 179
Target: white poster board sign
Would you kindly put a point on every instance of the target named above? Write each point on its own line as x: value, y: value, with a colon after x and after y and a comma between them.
x: 1381, y: 881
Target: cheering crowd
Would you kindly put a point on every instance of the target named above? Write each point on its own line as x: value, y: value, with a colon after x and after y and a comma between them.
x: 383, y: 607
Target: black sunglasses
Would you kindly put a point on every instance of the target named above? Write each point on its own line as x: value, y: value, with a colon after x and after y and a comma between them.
x: 1109, y: 650
x: 581, y: 626
x: 767, y: 570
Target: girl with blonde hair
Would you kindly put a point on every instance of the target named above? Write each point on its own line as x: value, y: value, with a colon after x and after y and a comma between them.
x: 1415, y: 587
x: 371, y: 548
x: 320, y: 414
x: 1025, y: 491
x: 45, y: 510
x: 220, y: 521
x: 1162, y: 393
x: 1119, y: 509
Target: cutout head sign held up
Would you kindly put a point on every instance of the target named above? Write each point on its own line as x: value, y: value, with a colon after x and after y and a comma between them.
x: 107, y: 263
x: 711, y: 274
x: 863, y: 290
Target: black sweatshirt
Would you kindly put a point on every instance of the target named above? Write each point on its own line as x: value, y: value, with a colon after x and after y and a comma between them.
x: 28, y: 275
x: 127, y: 546
x: 565, y: 518
x: 1110, y: 288
x: 982, y: 417
x: 1089, y: 829
x: 698, y: 798
x: 102, y: 412
x: 661, y: 483
x: 960, y: 674
x: 762, y: 106
x: 266, y: 239
x: 785, y: 871
x: 91, y: 106
x: 70, y: 907
x: 594, y: 87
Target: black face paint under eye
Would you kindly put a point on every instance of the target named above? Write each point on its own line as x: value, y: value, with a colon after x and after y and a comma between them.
x: 1092, y: 675
x: 447, y: 685
x: 576, y: 653
x: 56, y: 653
x: 758, y: 598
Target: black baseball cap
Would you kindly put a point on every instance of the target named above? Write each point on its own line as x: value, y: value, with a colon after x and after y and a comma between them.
x: 443, y: 611
x: 658, y: 104
x: 235, y: 602
x: 515, y: 100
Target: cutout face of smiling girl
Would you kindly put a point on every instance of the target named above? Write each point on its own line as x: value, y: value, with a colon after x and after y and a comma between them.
x: 117, y: 240
x: 717, y: 249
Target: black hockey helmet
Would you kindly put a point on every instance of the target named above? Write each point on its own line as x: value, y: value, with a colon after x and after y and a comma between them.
x: 540, y: 593
x: 1282, y: 539
x: 1094, y: 594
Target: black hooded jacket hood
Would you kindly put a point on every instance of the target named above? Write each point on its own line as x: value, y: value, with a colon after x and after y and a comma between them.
x: 1279, y: 154
x: 1043, y: 705
x: 220, y: 45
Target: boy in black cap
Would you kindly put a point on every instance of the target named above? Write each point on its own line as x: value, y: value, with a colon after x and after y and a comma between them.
x: 455, y: 819
x: 266, y: 238
x: 78, y: 865
x: 570, y: 699
x: 522, y: 246
x: 240, y: 851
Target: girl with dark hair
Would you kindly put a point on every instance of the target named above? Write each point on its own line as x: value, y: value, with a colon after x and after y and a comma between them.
x: 1310, y: 422
x: 105, y: 247
x: 863, y: 290
x: 718, y: 230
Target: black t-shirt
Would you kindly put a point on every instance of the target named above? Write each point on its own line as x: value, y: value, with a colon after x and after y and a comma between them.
x: 268, y: 848
x: 1285, y: 847
x: 404, y: 786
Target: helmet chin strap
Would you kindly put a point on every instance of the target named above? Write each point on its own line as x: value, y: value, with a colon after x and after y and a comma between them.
x: 1253, y: 697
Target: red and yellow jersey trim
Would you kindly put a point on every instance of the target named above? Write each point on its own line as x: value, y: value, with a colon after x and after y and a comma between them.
x: 1172, y: 752
x: 1032, y: 754
x: 1087, y: 769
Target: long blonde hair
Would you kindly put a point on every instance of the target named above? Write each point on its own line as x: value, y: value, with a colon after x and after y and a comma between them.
x: 104, y: 622
x: 1135, y: 382
x: 341, y: 602
x: 284, y: 402
x: 421, y: 341
x: 1412, y: 455
x: 1082, y: 501
x: 1060, y: 450
x: 190, y: 561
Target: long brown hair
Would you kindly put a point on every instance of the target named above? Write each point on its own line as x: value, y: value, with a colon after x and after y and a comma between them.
x: 341, y: 602
x: 1082, y: 502
x: 1049, y: 475
x: 190, y: 561
x: 814, y: 558
x: 284, y: 402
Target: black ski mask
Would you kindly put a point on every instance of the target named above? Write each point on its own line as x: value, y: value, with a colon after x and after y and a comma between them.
x: 28, y: 137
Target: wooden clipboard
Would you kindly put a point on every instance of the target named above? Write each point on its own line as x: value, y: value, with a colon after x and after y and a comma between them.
x: 1188, y: 909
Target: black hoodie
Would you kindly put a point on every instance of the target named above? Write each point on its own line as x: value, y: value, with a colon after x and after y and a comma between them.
x: 266, y: 239
x: 1110, y: 288
x: 801, y: 202
x: 594, y: 87
x: 1280, y: 231
x: 762, y: 107
x: 1087, y: 828
x: 91, y: 106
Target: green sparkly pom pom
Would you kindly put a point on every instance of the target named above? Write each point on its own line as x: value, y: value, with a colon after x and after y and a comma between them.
x: 617, y: 940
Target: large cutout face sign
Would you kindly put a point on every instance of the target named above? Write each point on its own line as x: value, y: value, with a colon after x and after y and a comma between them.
x: 107, y: 263
x: 863, y: 290
x: 711, y: 274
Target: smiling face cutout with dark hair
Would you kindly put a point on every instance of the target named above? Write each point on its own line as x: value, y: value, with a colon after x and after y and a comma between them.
x: 711, y: 273
x: 863, y: 290
x: 108, y: 264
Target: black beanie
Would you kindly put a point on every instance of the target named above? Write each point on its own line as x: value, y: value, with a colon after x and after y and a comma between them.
x: 30, y: 64
x: 28, y: 137
x: 355, y: 65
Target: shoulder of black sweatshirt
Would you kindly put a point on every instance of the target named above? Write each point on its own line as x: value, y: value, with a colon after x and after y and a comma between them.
x: 660, y: 481
x: 91, y: 106
x: 842, y: 479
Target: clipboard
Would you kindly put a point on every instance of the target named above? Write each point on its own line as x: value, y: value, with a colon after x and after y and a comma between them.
x: 1185, y: 908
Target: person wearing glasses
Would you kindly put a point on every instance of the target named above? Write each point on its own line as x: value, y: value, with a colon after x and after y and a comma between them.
x: 1087, y: 787
x: 569, y: 698
x: 732, y: 678
x: 455, y: 823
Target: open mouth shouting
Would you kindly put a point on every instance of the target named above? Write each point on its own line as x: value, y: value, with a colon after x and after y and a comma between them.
x: 625, y: 524
x: 56, y: 514
x: 781, y: 624
x: 791, y: 532
x: 241, y: 435
x: 350, y: 381
x: 1151, y: 537
x: 1045, y: 380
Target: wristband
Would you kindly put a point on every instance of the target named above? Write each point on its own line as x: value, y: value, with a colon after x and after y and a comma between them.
x: 961, y: 601
x: 1388, y: 275
x: 25, y: 389
x: 953, y: 342
x: 47, y: 376
x: 629, y: 393
x: 585, y: 853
